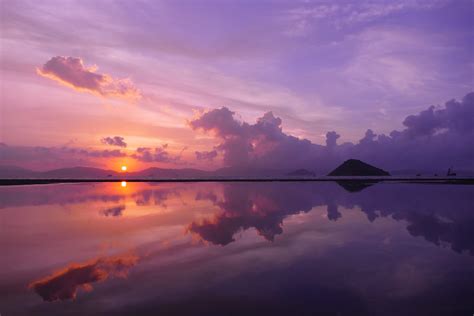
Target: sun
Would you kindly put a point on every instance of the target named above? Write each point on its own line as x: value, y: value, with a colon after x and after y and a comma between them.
x: 124, y: 168
x: 123, y: 184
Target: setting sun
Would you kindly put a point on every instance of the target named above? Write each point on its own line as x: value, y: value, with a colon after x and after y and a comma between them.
x: 124, y: 184
x: 124, y: 168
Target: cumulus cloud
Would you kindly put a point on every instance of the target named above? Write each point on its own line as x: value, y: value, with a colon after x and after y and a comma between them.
x: 157, y: 154
x: 436, y: 138
x: 70, y: 71
x: 64, y: 284
x: 331, y: 139
x: 114, y: 141
x: 243, y: 143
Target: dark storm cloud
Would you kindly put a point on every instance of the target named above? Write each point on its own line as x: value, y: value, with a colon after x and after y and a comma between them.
x: 64, y: 284
x: 114, y: 141
x: 436, y: 138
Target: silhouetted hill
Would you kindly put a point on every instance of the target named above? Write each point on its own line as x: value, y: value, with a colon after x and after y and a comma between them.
x: 14, y: 172
x: 301, y: 173
x: 354, y: 167
x: 78, y: 173
x: 169, y: 173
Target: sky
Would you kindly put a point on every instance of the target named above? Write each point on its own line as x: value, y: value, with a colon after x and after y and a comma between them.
x: 208, y: 84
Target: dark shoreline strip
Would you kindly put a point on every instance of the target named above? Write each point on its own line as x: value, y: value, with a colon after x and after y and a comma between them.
x: 470, y: 181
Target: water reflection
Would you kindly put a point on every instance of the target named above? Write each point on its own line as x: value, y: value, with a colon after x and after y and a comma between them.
x: 255, y: 248
x: 437, y: 213
x: 114, y: 211
x: 63, y: 284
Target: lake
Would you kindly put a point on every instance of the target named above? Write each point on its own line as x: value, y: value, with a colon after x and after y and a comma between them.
x: 237, y: 249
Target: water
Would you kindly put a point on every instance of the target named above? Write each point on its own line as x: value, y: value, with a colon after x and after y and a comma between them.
x: 237, y: 249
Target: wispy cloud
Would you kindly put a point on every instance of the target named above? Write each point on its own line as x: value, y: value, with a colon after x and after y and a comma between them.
x: 345, y: 14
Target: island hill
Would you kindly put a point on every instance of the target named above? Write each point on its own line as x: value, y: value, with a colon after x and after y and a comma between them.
x: 349, y: 168
x: 357, y: 168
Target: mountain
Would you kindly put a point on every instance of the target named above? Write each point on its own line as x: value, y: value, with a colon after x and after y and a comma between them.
x: 78, y: 173
x: 354, y: 167
x: 11, y: 172
x: 301, y: 173
x: 169, y: 173
x: 14, y: 172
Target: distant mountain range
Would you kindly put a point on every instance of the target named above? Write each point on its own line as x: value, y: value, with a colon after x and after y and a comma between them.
x: 13, y: 172
x: 354, y: 167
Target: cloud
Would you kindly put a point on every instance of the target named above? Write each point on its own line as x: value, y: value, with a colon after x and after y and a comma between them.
x: 157, y: 154
x: 243, y: 144
x: 303, y: 18
x: 432, y: 140
x: 70, y: 71
x: 206, y: 155
x: 331, y: 139
x: 436, y: 138
x: 92, y: 153
x: 114, y: 141
x: 455, y: 116
x: 64, y: 284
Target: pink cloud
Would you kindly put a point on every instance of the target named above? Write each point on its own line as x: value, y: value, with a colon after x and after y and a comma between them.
x: 114, y: 141
x: 63, y: 285
x: 71, y: 72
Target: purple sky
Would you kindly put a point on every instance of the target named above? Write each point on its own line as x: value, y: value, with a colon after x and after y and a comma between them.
x: 106, y: 83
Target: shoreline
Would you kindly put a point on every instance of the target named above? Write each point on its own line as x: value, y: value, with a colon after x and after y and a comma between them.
x: 421, y: 180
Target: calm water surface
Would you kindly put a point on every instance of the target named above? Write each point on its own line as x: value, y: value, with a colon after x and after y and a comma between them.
x: 237, y: 249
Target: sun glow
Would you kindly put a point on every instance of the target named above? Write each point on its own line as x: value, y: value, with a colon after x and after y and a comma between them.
x: 123, y: 184
x: 124, y: 168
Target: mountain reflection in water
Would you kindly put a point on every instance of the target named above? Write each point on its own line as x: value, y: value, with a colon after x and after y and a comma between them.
x: 223, y: 248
